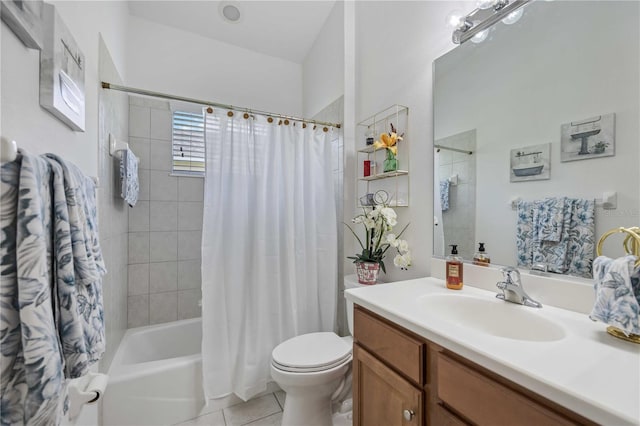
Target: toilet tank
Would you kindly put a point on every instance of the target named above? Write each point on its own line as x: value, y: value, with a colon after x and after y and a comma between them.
x: 351, y: 281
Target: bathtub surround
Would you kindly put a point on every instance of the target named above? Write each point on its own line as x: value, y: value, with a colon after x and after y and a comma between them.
x: 269, y: 237
x: 164, y: 226
x: 334, y: 113
x: 112, y: 210
x: 458, y: 221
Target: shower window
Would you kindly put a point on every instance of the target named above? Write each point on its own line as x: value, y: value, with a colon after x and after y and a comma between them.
x: 188, y: 144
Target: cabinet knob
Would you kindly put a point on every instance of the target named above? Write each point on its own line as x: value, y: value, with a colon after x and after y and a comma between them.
x: 408, y: 414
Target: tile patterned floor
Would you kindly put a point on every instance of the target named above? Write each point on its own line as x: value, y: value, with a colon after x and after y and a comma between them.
x: 262, y: 411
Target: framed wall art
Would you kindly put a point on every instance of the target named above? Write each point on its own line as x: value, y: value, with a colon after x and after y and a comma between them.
x: 62, y: 70
x: 25, y: 20
x: 589, y: 138
x: 530, y: 163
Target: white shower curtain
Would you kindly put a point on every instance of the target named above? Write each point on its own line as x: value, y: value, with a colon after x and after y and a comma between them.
x: 269, y: 245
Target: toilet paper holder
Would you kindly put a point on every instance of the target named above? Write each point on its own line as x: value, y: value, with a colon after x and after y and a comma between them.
x: 85, y: 390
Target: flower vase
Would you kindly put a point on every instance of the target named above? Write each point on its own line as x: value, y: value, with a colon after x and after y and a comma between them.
x: 367, y: 272
x: 391, y: 163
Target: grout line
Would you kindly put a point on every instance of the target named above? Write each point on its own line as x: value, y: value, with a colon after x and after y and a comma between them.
x: 278, y: 401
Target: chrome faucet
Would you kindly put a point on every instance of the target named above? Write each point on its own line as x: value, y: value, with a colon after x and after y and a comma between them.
x: 512, y: 290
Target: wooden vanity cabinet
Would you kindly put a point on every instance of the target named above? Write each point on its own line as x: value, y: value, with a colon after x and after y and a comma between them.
x: 400, y: 378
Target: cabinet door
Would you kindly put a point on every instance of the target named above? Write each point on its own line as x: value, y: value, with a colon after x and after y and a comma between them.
x: 381, y: 396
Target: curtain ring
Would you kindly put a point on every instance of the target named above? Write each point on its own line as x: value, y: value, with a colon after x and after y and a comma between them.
x: 286, y: 122
x: 230, y: 114
x: 325, y: 129
x: 270, y: 119
x: 246, y: 115
x: 209, y: 110
x: 314, y: 127
x: 304, y: 125
x: 280, y: 123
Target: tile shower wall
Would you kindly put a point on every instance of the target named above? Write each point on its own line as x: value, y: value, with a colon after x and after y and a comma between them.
x: 112, y: 211
x: 334, y: 113
x: 459, y: 222
x: 165, y: 226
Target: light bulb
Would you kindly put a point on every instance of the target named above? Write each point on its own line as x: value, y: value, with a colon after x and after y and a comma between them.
x: 513, y: 17
x: 485, y: 4
x: 454, y: 18
x: 481, y: 36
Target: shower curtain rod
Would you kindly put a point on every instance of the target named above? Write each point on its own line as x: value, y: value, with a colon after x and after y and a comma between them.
x: 464, y: 151
x: 110, y: 86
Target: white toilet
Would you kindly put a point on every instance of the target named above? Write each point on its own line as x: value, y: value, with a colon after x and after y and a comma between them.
x: 312, y: 369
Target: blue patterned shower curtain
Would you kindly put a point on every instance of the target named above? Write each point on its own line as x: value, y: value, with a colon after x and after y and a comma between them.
x: 51, y: 269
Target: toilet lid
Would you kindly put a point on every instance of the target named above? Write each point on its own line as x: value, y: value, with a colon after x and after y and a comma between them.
x: 311, y: 352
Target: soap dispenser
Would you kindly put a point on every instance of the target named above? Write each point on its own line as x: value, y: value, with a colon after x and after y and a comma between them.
x: 481, y: 258
x: 454, y: 269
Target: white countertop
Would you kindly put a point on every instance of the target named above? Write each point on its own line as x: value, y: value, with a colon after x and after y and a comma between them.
x: 588, y: 371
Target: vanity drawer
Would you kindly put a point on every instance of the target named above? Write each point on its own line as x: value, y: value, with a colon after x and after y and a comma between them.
x: 391, y: 344
x: 485, y: 401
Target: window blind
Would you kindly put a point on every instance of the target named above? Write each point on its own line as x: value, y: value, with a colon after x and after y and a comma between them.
x: 188, y: 143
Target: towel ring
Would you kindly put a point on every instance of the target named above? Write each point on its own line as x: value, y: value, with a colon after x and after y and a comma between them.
x: 631, y: 242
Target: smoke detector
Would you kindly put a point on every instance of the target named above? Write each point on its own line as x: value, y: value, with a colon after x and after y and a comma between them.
x: 230, y: 11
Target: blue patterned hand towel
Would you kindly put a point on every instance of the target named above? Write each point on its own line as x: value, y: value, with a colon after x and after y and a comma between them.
x: 548, y: 218
x: 616, y: 303
x: 129, y: 177
x: 444, y: 195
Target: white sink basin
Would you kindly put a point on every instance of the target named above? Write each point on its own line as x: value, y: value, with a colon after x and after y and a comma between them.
x: 492, y: 316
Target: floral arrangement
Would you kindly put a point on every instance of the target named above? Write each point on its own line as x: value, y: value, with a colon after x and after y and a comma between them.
x: 378, y: 222
x: 388, y: 141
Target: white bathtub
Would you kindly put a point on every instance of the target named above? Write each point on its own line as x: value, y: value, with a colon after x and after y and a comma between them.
x: 156, y: 376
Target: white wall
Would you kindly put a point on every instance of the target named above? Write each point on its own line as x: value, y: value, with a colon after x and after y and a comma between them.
x: 168, y: 60
x: 323, y: 68
x: 37, y: 131
x: 396, y: 43
x: 34, y: 128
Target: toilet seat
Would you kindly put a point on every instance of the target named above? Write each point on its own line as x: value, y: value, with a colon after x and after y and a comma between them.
x: 311, y: 352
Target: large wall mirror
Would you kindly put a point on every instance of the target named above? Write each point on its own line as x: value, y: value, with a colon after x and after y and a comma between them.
x: 501, y: 107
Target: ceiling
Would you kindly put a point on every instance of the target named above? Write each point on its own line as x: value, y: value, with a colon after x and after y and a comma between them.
x: 284, y: 29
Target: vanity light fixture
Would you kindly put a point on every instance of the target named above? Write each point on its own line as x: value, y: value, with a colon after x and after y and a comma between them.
x: 482, y: 19
x: 513, y: 17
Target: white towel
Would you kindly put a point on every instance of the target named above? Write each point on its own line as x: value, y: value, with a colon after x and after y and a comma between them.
x: 129, y: 177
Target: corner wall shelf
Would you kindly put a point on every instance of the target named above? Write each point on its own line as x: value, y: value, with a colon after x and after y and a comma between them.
x: 385, y: 175
x: 395, y: 183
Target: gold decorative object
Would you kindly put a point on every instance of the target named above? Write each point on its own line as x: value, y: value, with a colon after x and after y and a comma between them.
x: 616, y: 332
x: 631, y: 245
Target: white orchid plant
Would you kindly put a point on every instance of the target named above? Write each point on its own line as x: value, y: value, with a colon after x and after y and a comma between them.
x: 378, y: 222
